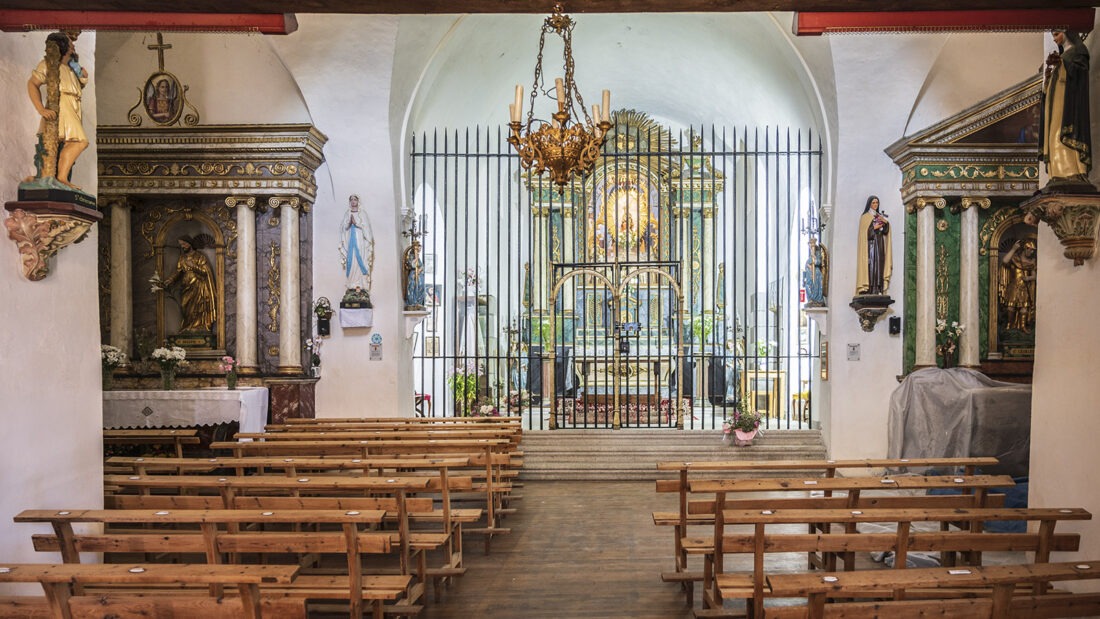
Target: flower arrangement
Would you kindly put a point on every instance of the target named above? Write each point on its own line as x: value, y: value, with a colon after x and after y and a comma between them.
x: 111, y: 357
x: 323, y: 308
x: 169, y: 359
x: 471, y: 278
x: 517, y: 399
x: 488, y: 410
x: 947, y: 340
x: 229, y: 365
x: 313, y: 345
x: 463, y: 381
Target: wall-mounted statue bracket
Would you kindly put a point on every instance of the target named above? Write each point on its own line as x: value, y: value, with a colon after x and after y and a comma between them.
x: 870, y: 307
x: 41, y: 229
x: 1074, y: 218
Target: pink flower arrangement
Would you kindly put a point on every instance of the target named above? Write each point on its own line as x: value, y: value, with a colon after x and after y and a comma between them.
x: 228, y: 364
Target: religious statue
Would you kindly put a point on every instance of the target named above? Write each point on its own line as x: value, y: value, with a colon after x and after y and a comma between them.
x: 1016, y: 292
x: 1065, y: 142
x: 72, y: 79
x: 198, y: 296
x: 356, y: 247
x: 874, y: 252
x: 815, y: 275
x: 413, y: 274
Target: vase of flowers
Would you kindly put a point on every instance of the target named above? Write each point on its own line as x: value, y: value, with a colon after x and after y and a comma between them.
x: 313, y: 345
x: 169, y: 359
x: 111, y: 357
x: 947, y: 341
x: 229, y: 366
x: 463, y: 382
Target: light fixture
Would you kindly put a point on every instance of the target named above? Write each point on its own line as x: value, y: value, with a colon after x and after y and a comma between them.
x: 562, y: 148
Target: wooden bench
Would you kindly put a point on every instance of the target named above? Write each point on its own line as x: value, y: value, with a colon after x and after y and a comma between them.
x: 688, y: 514
x: 1003, y: 584
x: 897, y: 491
x: 720, y: 584
x: 220, y: 537
x: 494, y: 489
x: 62, y: 583
x: 177, y: 437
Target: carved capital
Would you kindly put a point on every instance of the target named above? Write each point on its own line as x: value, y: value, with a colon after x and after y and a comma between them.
x: 968, y: 202
x: 234, y: 201
x: 917, y: 205
x: 41, y: 229
x: 122, y: 202
x: 1074, y: 218
x: 275, y: 202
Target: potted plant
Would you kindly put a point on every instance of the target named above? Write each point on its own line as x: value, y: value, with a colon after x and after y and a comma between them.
x: 463, y: 382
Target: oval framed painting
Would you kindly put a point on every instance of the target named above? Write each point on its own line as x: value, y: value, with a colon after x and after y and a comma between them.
x: 163, y: 97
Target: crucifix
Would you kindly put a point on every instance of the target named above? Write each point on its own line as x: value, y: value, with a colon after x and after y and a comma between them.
x: 160, y: 47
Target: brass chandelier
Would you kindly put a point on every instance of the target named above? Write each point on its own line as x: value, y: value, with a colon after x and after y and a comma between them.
x: 562, y: 148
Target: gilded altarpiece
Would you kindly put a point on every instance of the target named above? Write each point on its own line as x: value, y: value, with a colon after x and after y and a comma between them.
x: 645, y: 206
x: 224, y: 191
x: 984, y: 159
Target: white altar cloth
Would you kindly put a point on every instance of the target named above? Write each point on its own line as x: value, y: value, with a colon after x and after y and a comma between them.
x: 186, y: 407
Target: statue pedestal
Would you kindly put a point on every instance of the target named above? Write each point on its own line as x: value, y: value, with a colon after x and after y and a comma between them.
x: 870, y: 307
x: 42, y: 228
x: 1074, y: 218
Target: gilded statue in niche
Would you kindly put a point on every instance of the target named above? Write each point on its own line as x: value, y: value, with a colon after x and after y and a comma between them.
x: 1016, y: 293
x: 192, y: 285
x: 1013, y: 281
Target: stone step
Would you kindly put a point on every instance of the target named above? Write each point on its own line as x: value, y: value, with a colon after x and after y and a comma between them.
x: 633, y: 454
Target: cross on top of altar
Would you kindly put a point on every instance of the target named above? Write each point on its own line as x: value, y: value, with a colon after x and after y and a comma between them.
x: 160, y: 46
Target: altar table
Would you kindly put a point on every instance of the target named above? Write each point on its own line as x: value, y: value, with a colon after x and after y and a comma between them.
x: 186, y: 407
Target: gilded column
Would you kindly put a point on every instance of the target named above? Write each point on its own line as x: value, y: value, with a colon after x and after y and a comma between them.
x: 926, y: 280
x: 122, y: 293
x: 290, y: 316
x: 968, y: 282
x: 247, y: 325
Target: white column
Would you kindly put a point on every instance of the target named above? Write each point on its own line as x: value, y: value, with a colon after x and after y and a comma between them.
x: 290, y: 314
x: 568, y: 254
x: 968, y: 285
x: 926, y: 281
x: 540, y: 259
x: 247, y: 325
x: 708, y: 265
x: 122, y: 294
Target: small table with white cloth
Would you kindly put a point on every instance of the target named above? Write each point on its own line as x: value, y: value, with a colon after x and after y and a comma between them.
x: 186, y: 408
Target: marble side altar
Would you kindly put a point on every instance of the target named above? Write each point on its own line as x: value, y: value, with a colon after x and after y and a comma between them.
x: 186, y: 407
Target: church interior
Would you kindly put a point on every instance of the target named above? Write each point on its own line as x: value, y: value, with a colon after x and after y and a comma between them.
x: 848, y: 235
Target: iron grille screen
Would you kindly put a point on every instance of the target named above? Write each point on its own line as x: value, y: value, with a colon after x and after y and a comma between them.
x: 669, y: 274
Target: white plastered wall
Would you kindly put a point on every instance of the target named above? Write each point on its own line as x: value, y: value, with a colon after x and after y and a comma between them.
x: 1065, y: 399
x: 51, y: 450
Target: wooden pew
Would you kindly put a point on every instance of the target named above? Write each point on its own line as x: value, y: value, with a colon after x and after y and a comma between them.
x: 177, y: 437
x: 688, y: 514
x: 1002, y: 582
x: 720, y: 585
x: 61, y: 583
x: 494, y: 491
x: 219, y: 536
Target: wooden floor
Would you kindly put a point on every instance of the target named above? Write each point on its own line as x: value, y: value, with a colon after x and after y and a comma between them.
x: 577, y: 549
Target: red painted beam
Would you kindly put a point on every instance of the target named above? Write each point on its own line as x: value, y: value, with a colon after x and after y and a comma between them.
x: 16, y: 20
x: 1023, y: 20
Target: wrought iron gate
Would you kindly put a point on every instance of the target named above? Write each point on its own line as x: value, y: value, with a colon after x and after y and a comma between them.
x: 721, y: 213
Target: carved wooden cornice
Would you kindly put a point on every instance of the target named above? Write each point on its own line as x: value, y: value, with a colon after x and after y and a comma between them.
x: 935, y: 162
x: 219, y: 160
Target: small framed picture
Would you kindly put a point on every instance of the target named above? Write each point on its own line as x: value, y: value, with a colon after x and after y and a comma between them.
x: 429, y: 264
x: 431, y: 346
x: 435, y: 294
x: 163, y: 100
